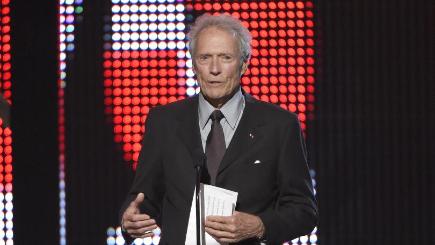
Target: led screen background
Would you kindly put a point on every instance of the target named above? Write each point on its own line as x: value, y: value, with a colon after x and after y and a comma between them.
x: 146, y: 63
x: 6, y: 176
x: 368, y: 104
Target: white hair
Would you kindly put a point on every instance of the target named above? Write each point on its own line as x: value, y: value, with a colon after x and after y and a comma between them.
x: 226, y: 23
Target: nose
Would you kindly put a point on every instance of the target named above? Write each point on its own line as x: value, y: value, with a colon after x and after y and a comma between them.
x: 215, y: 66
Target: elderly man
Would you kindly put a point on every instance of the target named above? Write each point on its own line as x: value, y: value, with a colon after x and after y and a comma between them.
x: 252, y: 147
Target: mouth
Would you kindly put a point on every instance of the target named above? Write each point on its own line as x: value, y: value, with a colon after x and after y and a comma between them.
x: 214, y: 82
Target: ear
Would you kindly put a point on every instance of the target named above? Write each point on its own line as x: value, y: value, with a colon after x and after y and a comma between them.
x: 243, y: 68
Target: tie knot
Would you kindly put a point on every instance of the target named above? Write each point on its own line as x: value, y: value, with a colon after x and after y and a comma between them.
x: 216, y: 115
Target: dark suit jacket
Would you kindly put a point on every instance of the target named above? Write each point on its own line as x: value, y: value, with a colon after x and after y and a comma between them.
x: 278, y: 189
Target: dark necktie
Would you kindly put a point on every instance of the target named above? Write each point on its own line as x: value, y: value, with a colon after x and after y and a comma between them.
x: 215, y: 145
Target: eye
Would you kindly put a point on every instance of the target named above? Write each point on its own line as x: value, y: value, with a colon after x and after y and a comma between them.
x: 203, y: 57
x: 227, y: 57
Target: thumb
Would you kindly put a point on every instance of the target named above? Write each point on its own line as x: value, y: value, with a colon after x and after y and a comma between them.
x: 139, y: 199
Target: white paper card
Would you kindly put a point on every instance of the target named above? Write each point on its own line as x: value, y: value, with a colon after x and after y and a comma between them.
x: 213, y: 201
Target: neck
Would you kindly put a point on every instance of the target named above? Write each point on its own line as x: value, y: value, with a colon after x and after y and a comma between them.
x: 218, y: 103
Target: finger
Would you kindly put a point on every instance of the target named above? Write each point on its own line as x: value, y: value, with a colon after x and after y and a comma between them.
x: 143, y: 232
x: 138, y: 217
x: 220, y: 219
x: 139, y: 224
x: 219, y: 234
x: 220, y: 226
x: 138, y: 200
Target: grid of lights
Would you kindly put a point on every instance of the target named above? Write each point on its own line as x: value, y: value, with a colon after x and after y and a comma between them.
x: 6, y: 196
x: 147, y: 64
x: 69, y: 12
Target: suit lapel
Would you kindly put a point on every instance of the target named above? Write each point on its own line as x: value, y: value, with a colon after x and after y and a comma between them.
x: 245, y: 137
x: 188, y: 128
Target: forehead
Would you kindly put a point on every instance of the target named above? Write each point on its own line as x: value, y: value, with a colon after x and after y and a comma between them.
x: 216, y: 40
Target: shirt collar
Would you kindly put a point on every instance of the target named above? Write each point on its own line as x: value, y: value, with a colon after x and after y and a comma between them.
x: 231, y: 109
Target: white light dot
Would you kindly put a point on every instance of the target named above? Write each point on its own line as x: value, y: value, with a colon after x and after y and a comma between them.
x: 162, y: 36
x: 143, y: 8
x: 125, y: 36
x: 170, y: 8
x: 116, y: 46
x: 152, y: 8
x: 134, y: 36
x: 181, y: 45
x: 181, y: 54
x: 134, y: 8
x: 180, y: 17
x: 125, y: 18
x: 153, y: 45
x: 180, y: 7
x: 172, y: 45
x: 125, y: 8
x: 143, y: 17
x: 135, y: 46
x: 152, y: 17
x: 171, y: 35
x: 125, y: 46
x: 125, y: 27
x: 161, y: 17
x: 152, y: 27
x: 190, y: 91
x: 134, y: 18
x: 189, y: 63
x: 153, y: 36
x: 190, y: 82
x: 143, y: 45
x: 170, y: 26
x: 162, y: 27
x: 116, y: 18
x: 181, y: 35
x: 134, y: 27
x: 116, y: 9
x: 180, y: 26
x: 170, y: 17
x: 162, y: 45
x: 116, y: 27
x: 190, y: 73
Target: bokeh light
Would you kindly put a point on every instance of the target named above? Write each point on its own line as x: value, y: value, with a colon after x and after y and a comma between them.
x: 6, y: 161
x: 70, y: 12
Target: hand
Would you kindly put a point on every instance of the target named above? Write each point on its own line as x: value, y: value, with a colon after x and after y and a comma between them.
x: 231, y: 229
x: 137, y: 225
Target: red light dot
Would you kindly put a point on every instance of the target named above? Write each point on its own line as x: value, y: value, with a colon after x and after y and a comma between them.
x: 235, y: 6
x: 8, y: 159
x: 264, y: 89
x: 154, y: 100
x: 264, y: 98
x: 262, y: 5
x: 255, y: 90
x: 274, y: 99
x: 301, y: 98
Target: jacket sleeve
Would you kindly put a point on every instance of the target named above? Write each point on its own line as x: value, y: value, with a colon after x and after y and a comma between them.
x: 149, y: 178
x: 295, y: 212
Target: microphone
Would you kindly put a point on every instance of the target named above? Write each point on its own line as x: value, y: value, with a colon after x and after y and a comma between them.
x: 200, y: 162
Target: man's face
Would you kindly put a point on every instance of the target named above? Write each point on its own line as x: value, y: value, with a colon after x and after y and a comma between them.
x: 217, y: 64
